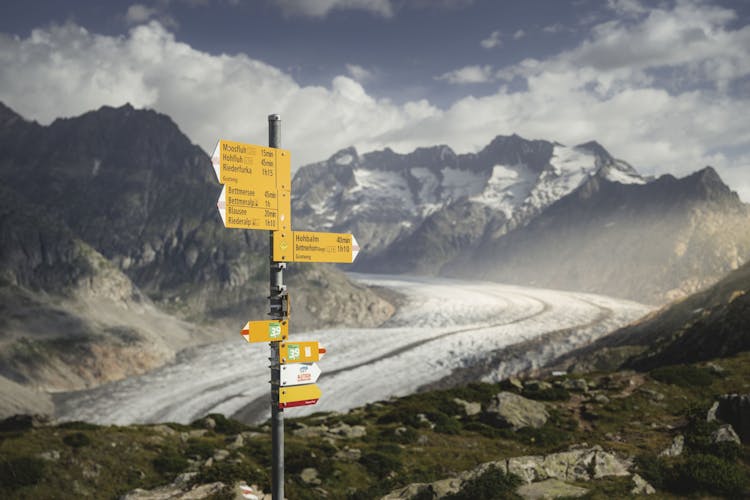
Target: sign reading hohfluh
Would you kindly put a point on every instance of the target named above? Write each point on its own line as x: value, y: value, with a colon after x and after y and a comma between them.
x: 257, y: 185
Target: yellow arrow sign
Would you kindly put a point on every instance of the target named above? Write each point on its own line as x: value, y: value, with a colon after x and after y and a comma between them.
x: 257, y: 179
x: 300, y: 352
x: 299, y: 395
x: 307, y: 246
x: 266, y: 331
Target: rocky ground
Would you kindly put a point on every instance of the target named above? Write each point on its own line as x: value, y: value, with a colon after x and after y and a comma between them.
x: 674, y: 431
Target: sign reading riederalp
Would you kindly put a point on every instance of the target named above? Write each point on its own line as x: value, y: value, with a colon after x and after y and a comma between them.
x: 257, y: 185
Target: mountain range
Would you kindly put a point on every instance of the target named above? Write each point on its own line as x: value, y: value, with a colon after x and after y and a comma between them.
x: 114, y: 257
x: 530, y: 212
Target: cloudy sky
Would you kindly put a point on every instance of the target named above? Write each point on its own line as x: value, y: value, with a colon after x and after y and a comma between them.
x: 664, y: 85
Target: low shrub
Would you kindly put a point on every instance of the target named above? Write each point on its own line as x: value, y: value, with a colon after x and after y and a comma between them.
x: 228, y: 472
x: 654, y: 469
x: 78, y: 426
x: 77, y: 440
x: 493, y: 484
x: 548, y: 394
x: 710, y: 474
x: 683, y: 375
x: 169, y: 463
x: 380, y: 464
x: 22, y: 471
x: 199, y: 448
x: 444, y: 424
x: 226, y: 425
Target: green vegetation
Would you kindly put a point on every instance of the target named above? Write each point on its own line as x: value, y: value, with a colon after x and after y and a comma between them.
x: 421, y: 438
x: 683, y: 375
x: 492, y: 484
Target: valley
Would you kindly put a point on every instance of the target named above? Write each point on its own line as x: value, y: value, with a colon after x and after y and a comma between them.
x: 442, y: 325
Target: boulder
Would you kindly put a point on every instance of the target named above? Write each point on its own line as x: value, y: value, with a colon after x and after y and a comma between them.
x: 581, y: 464
x: 550, y: 488
x: 641, y: 486
x: 470, y: 408
x: 409, y: 491
x: 515, y: 383
x: 734, y: 409
x: 549, y: 471
x: 347, y: 431
x: 511, y: 410
x: 348, y: 454
x: 725, y: 434
x: 575, y: 385
x: 312, y: 431
x: 676, y: 448
x: 711, y: 414
x: 239, y: 442
x: 175, y: 492
x: 537, y: 385
x: 309, y: 475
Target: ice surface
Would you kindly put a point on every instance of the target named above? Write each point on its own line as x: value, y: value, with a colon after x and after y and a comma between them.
x: 459, y: 183
x: 443, y: 325
x: 345, y: 159
x: 506, y: 189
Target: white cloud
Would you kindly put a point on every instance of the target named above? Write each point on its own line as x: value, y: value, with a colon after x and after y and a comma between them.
x: 492, y: 41
x: 358, y: 73
x: 554, y: 28
x: 66, y: 70
x: 321, y: 8
x: 519, y: 34
x: 139, y: 13
x: 468, y: 74
x: 601, y: 89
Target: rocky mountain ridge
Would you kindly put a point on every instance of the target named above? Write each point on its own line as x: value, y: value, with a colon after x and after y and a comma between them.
x: 533, y: 213
x: 409, y: 204
x: 712, y: 323
x: 114, y: 256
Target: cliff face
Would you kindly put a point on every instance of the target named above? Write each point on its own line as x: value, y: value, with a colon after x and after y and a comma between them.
x: 714, y: 322
x: 113, y: 255
x: 651, y: 242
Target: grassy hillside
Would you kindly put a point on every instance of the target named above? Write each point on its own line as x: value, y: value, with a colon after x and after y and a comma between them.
x: 423, y: 438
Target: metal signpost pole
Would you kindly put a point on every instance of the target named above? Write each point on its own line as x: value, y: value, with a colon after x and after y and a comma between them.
x: 276, y: 298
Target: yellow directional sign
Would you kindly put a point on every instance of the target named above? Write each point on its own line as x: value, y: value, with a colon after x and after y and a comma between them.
x: 257, y: 185
x: 300, y: 352
x: 266, y: 331
x: 306, y: 246
x: 299, y: 395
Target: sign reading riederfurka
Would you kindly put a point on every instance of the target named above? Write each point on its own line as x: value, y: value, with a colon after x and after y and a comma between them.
x: 257, y: 183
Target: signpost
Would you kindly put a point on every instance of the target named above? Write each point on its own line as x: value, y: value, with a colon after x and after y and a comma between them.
x: 257, y: 185
x: 299, y: 373
x: 306, y: 246
x: 300, y: 395
x: 256, y: 194
x: 265, y: 331
x: 300, y: 352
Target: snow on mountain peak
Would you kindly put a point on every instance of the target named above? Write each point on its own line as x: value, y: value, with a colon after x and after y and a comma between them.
x: 387, y: 195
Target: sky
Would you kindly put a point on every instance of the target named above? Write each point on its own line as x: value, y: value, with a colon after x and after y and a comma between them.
x: 663, y: 85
